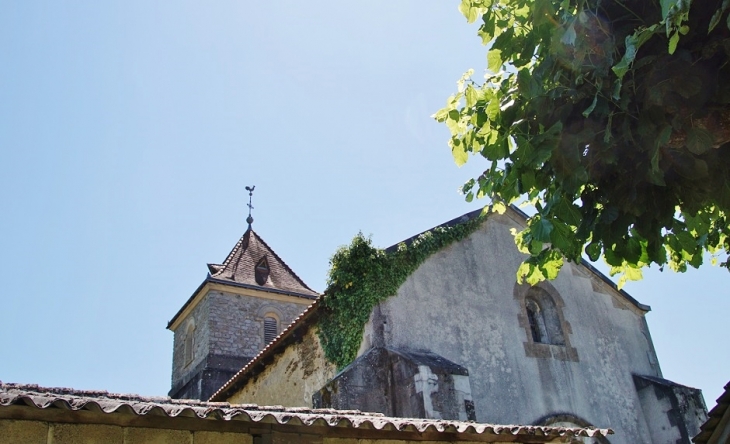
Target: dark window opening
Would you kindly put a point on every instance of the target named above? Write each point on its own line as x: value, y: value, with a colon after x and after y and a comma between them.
x: 262, y: 271
x: 544, y: 319
x: 537, y: 323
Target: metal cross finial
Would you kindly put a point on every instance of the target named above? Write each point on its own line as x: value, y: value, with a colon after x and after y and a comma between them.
x: 249, y: 219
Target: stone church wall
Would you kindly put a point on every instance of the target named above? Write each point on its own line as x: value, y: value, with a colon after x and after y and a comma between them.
x: 463, y: 304
x: 237, y: 321
x: 292, y: 378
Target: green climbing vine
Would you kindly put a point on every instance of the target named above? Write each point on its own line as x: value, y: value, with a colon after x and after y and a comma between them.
x: 361, y: 276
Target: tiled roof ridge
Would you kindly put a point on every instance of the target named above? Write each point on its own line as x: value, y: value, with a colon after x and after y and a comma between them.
x: 108, y: 403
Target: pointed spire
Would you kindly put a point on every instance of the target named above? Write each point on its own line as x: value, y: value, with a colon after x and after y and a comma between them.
x: 249, y: 219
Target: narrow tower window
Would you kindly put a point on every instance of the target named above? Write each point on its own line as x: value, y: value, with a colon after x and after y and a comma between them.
x: 262, y: 271
x: 271, y: 328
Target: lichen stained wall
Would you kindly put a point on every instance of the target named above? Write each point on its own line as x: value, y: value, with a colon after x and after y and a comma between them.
x: 292, y: 378
x: 462, y: 304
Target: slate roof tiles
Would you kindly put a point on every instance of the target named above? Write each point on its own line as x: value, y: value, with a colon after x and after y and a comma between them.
x: 240, y: 265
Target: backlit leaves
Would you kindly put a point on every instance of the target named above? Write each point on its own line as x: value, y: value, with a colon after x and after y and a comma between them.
x: 603, y: 115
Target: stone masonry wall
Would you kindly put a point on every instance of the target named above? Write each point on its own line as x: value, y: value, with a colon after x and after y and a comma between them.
x: 463, y: 304
x: 200, y: 316
x: 292, y: 378
x: 236, y: 322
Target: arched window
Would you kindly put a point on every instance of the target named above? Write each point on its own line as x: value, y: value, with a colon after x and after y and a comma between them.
x: 541, y: 315
x: 271, y: 328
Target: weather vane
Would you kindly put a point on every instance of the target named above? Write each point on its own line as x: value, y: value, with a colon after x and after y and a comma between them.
x: 249, y: 219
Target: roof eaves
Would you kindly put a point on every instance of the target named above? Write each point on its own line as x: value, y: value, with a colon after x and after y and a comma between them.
x: 188, y: 302
x: 260, y: 288
x: 34, y: 397
x: 211, y: 279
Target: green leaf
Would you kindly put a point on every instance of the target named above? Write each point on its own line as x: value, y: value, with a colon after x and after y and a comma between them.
x: 715, y: 20
x: 471, y: 13
x: 699, y: 141
x: 593, y: 250
x: 499, y: 207
x: 633, y: 250
x: 569, y: 36
x: 590, y: 109
x: 633, y: 43
x: 494, y: 60
x: 667, y: 5
x: 673, y: 42
x: 688, y: 243
x: 528, y: 180
x: 550, y: 263
x: 530, y: 273
x: 540, y: 229
x: 629, y: 274
x: 562, y: 237
x: 493, y: 109
x: 441, y: 114
x: 568, y: 212
x: 471, y: 96
x: 459, y: 152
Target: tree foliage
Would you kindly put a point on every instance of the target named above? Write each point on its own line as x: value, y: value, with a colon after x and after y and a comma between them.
x: 612, y: 118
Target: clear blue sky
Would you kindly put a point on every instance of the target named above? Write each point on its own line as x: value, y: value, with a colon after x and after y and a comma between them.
x: 128, y: 131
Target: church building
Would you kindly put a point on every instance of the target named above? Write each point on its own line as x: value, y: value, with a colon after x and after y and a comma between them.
x: 459, y: 340
x: 241, y: 306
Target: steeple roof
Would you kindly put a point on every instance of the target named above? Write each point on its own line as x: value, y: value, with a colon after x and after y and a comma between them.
x: 252, y: 263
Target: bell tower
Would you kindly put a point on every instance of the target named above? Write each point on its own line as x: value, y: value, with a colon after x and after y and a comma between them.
x: 241, y: 305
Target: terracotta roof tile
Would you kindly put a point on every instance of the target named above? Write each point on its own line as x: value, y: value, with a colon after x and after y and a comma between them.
x: 110, y: 403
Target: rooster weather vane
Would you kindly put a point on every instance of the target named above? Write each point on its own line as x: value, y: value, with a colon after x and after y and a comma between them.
x: 249, y: 219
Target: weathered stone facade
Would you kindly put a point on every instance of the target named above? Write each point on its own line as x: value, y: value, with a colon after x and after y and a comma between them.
x: 293, y: 378
x: 563, y: 352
